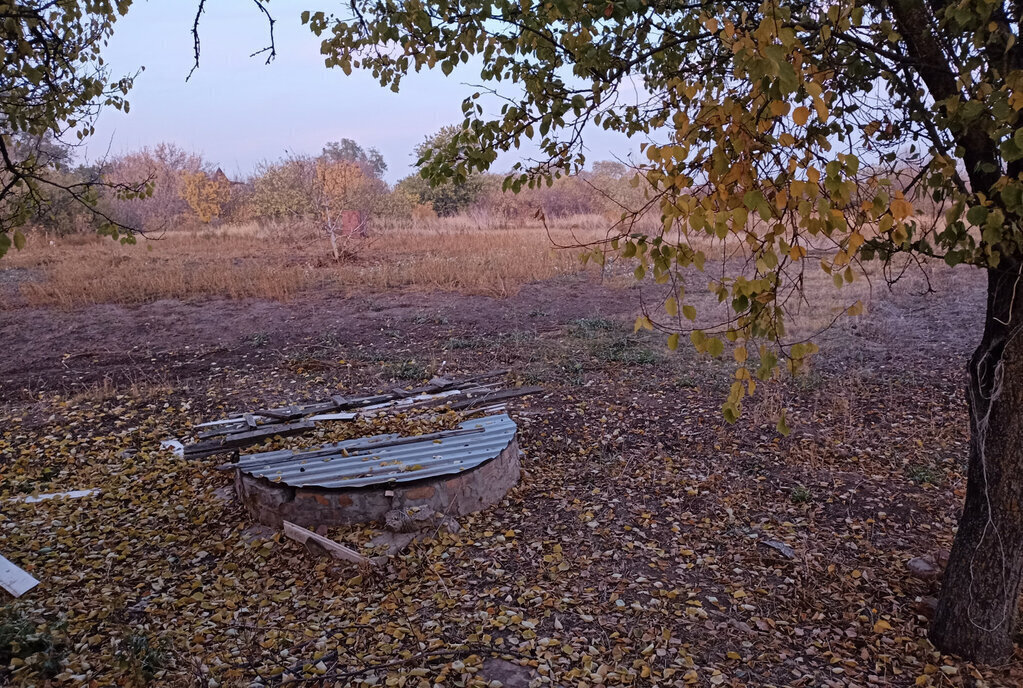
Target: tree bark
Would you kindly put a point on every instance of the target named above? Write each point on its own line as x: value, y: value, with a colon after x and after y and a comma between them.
x: 979, y: 601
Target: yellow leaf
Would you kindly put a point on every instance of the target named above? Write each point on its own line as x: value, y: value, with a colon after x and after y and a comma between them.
x: 880, y: 626
x: 800, y: 115
x: 643, y: 322
x: 740, y: 354
x: 671, y: 306
x: 821, y: 108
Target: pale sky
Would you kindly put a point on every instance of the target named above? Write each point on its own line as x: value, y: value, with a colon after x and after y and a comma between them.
x: 236, y: 110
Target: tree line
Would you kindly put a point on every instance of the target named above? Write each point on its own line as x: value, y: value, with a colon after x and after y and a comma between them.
x: 179, y: 189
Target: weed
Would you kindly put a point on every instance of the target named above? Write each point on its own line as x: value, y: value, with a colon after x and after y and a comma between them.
x: 590, y: 328
x: 259, y: 339
x: 141, y: 657
x: 688, y: 380
x: 809, y: 381
x: 462, y: 343
x: 801, y: 495
x: 409, y: 370
x: 533, y: 376
x: 26, y: 643
x: 518, y: 336
x: 570, y: 371
x: 625, y: 349
x: 538, y: 313
x: 923, y: 475
x: 423, y: 319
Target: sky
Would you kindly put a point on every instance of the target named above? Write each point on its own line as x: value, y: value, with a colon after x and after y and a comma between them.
x: 236, y: 110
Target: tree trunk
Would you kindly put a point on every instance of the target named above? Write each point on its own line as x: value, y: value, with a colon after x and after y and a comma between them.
x: 979, y: 601
x: 333, y: 243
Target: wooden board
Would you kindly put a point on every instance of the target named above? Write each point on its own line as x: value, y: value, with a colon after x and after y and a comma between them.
x: 13, y: 579
x: 198, y: 450
x: 336, y: 550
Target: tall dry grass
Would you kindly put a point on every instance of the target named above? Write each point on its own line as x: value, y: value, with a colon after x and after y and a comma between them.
x: 246, y: 261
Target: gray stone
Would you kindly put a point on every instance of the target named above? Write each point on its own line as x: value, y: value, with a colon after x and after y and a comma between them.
x: 224, y: 494
x: 924, y: 567
x: 395, y: 542
x: 258, y: 531
x: 510, y: 674
x: 780, y: 547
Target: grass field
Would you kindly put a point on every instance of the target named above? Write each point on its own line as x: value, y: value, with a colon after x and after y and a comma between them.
x: 249, y: 262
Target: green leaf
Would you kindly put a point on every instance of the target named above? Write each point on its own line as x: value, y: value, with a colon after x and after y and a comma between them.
x: 977, y: 215
x: 19, y: 239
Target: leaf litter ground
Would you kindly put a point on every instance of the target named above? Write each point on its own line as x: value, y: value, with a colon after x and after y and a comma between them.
x: 647, y: 544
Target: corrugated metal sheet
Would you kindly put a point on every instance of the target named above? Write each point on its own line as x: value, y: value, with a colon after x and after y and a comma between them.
x: 361, y: 462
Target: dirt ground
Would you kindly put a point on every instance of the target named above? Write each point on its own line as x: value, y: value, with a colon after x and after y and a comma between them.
x: 632, y: 553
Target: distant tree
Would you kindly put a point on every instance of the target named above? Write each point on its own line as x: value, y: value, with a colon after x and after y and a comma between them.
x: 283, y: 190
x: 342, y: 194
x: 55, y: 210
x: 618, y: 190
x: 52, y: 83
x: 782, y: 129
x: 207, y: 195
x: 401, y: 208
x: 448, y: 196
x: 165, y: 165
x: 346, y: 150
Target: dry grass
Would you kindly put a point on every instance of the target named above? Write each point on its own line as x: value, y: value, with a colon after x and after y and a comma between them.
x: 244, y: 261
x: 449, y: 254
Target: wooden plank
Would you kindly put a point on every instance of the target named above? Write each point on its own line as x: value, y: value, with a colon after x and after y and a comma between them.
x: 488, y: 398
x: 341, y: 415
x: 235, y: 433
x: 71, y: 494
x: 338, y: 551
x: 15, y: 580
x: 244, y: 439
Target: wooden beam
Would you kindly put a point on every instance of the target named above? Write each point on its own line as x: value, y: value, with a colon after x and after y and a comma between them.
x: 304, y: 536
x: 244, y: 439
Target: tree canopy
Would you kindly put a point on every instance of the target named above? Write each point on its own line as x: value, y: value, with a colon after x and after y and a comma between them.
x: 788, y: 136
x: 346, y: 150
x: 446, y: 196
x: 52, y: 82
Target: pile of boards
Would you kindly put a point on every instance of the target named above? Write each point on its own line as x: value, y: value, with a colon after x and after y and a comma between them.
x: 478, y: 393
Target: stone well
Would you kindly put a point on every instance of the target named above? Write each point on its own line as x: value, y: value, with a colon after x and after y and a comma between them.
x: 456, y: 475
